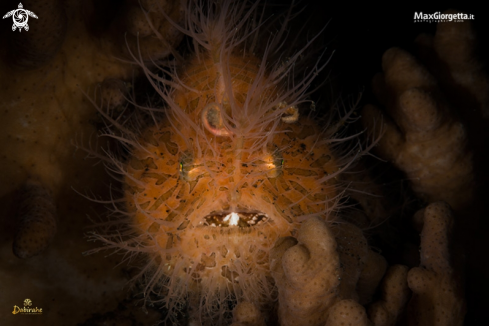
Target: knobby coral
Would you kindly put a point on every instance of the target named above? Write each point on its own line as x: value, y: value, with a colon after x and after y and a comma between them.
x: 437, y: 291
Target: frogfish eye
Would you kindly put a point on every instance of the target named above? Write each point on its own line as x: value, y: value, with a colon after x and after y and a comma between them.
x: 186, y: 166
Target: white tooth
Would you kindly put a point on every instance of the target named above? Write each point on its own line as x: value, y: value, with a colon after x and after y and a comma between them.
x: 234, y: 218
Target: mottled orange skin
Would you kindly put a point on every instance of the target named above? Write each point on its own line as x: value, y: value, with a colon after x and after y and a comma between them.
x: 181, y: 172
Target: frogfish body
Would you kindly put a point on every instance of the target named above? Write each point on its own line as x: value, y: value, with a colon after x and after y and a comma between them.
x: 229, y: 168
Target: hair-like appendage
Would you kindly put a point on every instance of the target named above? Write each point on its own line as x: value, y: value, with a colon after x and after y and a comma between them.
x: 225, y: 167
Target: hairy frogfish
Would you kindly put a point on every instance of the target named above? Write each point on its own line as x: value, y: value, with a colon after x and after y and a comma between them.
x: 228, y: 164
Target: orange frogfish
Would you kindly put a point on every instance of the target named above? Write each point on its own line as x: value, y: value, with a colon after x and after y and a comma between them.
x: 225, y: 167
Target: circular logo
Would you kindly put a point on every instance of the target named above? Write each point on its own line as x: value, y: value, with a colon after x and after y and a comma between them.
x: 20, y: 18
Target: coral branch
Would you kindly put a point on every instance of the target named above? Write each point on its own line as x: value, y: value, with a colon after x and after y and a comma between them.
x: 347, y: 312
x: 307, y: 274
x: 395, y: 294
x: 247, y: 314
x: 438, y: 298
x: 421, y: 137
x: 321, y: 275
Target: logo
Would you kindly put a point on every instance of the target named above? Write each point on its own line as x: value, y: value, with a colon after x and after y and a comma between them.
x: 438, y: 17
x: 20, y: 17
x: 27, y: 310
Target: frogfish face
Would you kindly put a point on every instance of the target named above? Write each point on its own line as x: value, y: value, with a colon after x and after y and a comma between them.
x: 211, y: 187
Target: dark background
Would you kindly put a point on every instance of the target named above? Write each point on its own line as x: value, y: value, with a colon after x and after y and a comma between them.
x: 359, y: 33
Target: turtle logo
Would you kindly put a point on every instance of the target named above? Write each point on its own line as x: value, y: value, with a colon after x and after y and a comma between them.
x: 20, y: 17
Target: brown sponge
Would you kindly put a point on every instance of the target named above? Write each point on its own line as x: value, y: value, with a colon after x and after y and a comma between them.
x: 437, y: 295
x: 394, y: 296
x: 37, y: 221
x: 307, y: 274
x: 247, y: 314
x: 421, y: 137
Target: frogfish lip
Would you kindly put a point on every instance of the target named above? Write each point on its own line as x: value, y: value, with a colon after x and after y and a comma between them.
x: 235, y: 219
